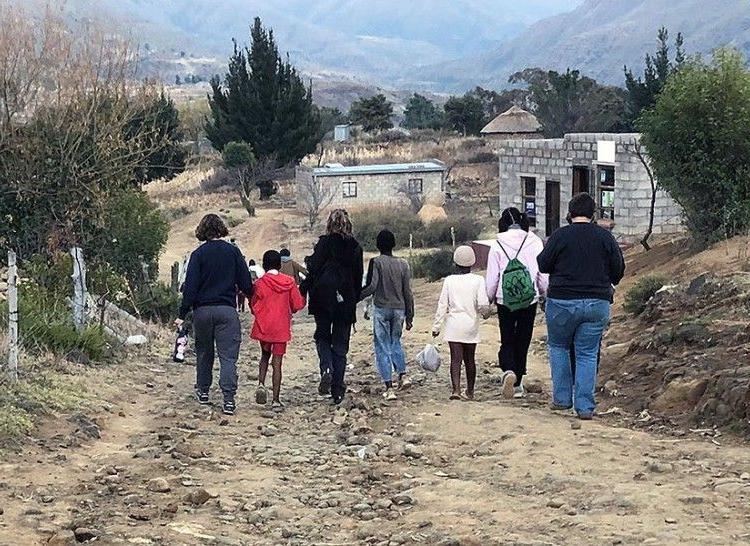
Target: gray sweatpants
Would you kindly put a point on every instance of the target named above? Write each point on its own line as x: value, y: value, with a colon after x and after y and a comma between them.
x: 217, y: 326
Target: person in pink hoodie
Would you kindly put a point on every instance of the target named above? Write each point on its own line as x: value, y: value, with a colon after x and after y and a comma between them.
x: 514, y: 240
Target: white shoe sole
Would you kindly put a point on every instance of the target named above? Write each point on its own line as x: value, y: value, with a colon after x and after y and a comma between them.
x: 509, y: 383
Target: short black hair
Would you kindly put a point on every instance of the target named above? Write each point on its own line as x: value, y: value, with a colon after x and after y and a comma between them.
x: 386, y: 241
x: 271, y: 260
x: 285, y: 252
x: 511, y: 216
x: 211, y: 227
x: 582, y: 205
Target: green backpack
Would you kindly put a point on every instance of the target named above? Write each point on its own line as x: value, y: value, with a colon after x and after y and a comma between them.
x: 518, y: 288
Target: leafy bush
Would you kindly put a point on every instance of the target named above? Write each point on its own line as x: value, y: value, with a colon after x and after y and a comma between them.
x: 641, y: 292
x: 218, y: 180
x: 434, y: 265
x: 402, y: 222
x: 368, y: 223
x: 156, y: 302
x: 238, y: 154
x: 135, y: 231
x: 46, y: 324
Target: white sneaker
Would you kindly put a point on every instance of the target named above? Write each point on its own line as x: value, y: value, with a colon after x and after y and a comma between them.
x: 519, y: 391
x: 509, y: 382
x: 389, y: 394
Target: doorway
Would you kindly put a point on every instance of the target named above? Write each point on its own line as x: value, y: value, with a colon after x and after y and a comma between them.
x: 581, y: 180
x: 552, y: 206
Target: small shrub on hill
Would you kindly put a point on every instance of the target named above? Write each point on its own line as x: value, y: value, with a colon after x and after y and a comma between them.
x: 642, y: 291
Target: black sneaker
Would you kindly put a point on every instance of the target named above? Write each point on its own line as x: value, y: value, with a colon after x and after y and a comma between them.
x: 228, y: 407
x: 324, y: 388
x: 202, y: 397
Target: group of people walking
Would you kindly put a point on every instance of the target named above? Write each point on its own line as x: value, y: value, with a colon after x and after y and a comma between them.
x: 572, y: 276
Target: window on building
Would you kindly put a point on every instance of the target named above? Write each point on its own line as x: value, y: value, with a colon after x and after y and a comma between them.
x: 607, y: 193
x: 414, y: 185
x: 350, y: 189
x: 528, y: 189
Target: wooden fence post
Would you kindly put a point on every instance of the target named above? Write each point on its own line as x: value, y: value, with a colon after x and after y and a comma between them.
x: 12, y: 316
x: 79, y: 288
x: 453, y: 237
x: 175, y: 279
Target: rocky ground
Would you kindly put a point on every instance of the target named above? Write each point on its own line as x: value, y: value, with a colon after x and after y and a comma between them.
x: 153, y: 467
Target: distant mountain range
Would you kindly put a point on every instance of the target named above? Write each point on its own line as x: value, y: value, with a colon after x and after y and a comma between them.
x: 599, y: 37
x: 374, y: 40
x: 431, y: 45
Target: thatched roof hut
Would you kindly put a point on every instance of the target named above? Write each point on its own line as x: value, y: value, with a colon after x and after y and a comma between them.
x: 513, y: 124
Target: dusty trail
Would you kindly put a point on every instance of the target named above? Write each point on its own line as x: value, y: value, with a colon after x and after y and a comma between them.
x: 428, y: 471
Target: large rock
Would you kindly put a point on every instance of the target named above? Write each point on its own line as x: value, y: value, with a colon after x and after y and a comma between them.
x: 680, y: 395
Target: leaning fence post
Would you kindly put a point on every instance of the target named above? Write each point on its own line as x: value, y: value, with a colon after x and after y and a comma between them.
x: 79, y: 288
x: 12, y: 316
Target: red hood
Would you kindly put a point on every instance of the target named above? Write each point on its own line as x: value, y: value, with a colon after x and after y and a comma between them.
x: 278, y: 283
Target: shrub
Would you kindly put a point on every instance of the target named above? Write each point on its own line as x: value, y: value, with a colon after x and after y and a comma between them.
x: 367, y: 224
x: 402, y: 222
x: 434, y: 265
x: 641, y: 292
x: 156, y: 301
x: 438, y: 232
x: 219, y: 179
x: 135, y: 231
x: 45, y: 323
x: 482, y: 157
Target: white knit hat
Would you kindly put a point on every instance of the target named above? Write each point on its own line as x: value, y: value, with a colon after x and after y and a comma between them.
x: 464, y: 256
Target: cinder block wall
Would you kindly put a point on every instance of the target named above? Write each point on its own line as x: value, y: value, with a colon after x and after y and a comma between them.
x: 373, y: 189
x: 553, y: 159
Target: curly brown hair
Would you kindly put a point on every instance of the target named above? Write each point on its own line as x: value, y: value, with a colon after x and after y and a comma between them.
x: 339, y: 222
x: 211, y: 227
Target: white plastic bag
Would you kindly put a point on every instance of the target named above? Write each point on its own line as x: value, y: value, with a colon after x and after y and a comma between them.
x: 429, y: 358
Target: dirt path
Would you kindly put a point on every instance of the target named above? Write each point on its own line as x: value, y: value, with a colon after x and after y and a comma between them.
x: 420, y: 470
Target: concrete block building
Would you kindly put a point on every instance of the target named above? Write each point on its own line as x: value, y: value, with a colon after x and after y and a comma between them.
x: 540, y: 176
x: 373, y: 185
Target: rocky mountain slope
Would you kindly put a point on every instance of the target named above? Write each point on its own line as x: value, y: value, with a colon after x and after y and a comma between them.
x: 599, y: 37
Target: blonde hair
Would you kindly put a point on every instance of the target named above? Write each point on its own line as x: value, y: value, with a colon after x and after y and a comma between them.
x: 339, y: 222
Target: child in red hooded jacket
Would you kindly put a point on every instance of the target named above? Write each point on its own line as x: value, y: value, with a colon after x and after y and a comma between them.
x: 275, y: 298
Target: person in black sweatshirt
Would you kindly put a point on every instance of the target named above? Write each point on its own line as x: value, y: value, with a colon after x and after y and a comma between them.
x: 333, y: 286
x: 583, y: 261
x: 215, y: 273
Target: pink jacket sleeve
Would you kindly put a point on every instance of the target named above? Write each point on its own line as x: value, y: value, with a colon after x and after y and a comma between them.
x: 492, y: 278
x: 542, y: 279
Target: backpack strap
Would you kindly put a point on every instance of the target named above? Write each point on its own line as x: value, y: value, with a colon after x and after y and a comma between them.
x: 503, y: 249
x: 521, y: 247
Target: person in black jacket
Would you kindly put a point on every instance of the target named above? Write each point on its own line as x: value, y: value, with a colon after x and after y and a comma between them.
x: 215, y: 273
x: 584, y: 261
x: 333, y: 286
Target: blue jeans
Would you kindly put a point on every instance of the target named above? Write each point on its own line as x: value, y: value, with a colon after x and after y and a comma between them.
x: 388, y: 325
x: 583, y: 322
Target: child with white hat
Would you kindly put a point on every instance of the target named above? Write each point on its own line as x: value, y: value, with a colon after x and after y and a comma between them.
x: 462, y: 302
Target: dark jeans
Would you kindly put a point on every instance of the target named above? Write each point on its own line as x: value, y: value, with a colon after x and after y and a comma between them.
x: 332, y: 342
x: 217, y: 329
x: 516, y: 330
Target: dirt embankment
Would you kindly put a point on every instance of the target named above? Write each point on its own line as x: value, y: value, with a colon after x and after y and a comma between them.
x: 684, y: 363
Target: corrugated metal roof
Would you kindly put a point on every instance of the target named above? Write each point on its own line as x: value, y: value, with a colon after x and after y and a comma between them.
x: 393, y: 168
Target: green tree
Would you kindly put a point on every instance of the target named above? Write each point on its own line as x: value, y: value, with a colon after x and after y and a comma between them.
x: 329, y: 119
x: 569, y: 102
x: 156, y: 126
x: 465, y: 114
x: 240, y: 161
x: 264, y: 102
x: 373, y: 113
x: 698, y: 138
x: 642, y: 91
x: 421, y: 113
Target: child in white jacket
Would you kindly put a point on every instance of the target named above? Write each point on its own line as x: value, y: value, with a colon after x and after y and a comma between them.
x: 462, y: 301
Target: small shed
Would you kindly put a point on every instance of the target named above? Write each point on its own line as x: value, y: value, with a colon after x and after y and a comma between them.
x: 341, y: 133
x: 514, y: 123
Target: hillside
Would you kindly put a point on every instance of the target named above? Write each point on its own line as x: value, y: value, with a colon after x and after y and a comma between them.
x: 370, y: 40
x: 599, y: 37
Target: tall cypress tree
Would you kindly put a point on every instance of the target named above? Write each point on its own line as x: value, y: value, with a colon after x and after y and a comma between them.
x: 264, y: 102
